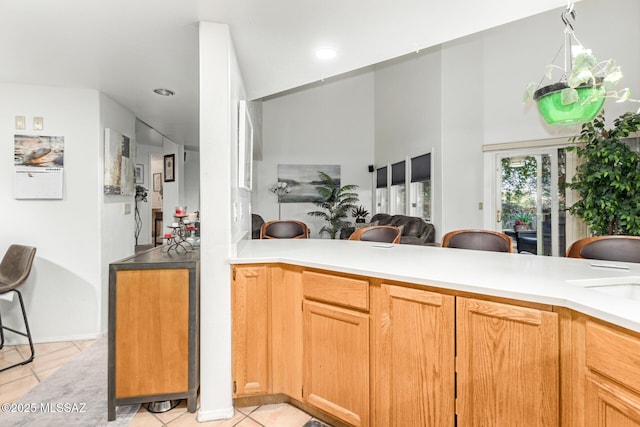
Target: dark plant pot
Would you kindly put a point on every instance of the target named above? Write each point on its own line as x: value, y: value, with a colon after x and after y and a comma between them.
x: 361, y: 220
x: 554, y: 112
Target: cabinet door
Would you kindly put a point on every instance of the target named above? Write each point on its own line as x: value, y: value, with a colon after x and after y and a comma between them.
x: 286, y: 330
x: 336, y: 361
x: 612, y: 390
x: 608, y: 405
x: 414, y: 361
x: 152, y: 332
x: 250, y: 342
x: 507, y: 365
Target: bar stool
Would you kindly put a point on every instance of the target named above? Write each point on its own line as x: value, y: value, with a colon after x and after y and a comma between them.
x: 14, y: 270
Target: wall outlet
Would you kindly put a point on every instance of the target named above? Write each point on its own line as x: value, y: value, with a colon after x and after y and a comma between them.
x: 480, y: 206
x: 21, y: 123
x: 127, y: 208
x: 38, y: 123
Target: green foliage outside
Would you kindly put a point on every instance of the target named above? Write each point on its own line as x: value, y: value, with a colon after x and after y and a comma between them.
x: 519, y: 190
x: 336, y: 203
x: 608, y: 180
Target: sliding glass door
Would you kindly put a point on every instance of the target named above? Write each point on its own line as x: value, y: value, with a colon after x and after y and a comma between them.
x: 531, y: 201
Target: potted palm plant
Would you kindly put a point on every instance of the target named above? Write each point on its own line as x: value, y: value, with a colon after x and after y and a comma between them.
x: 336, y: 202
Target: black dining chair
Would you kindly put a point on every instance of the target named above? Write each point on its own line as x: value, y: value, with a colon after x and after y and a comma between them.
x: 14, y: 270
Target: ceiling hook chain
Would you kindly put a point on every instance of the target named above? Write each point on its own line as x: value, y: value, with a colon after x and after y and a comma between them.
x: 569, y: 12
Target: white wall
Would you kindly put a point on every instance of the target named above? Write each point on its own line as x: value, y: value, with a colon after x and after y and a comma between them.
x: 408, y: 115
x: 63, y: 293
x: 330, y: 124
x: 224, y: 213
x: 143, y: 157
x: 468, y: 92
x: 462, y: 137
x: 117, y: 238
x: 192, y: 180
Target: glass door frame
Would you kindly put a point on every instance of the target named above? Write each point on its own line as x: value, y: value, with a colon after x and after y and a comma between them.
x: 493, y: 201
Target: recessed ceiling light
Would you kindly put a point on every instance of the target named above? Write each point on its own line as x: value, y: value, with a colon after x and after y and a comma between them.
x: 326, y: 53
x: 164, y: 92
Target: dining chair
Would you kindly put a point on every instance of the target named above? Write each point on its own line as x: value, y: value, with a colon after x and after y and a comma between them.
x: 377, y: 233
x: 14, y: 270
x: 284, y: 229
x: 607, y: 248
x: 482, y: 240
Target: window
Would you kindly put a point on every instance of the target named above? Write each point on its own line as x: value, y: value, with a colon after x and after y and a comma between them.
x: 382, y: 193
x: 420, y: 190
x: 398, y: 189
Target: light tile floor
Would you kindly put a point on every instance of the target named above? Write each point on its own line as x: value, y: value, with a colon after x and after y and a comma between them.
x: 15, y: 382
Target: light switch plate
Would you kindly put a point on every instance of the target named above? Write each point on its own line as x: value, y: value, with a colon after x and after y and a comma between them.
x: 21, y: 123
x: 38, y: 123
x: 127, y: 208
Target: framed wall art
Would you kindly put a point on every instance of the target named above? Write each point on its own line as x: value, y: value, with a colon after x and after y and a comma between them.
x: 157, y: 182
x: 119, y: 152
x: 302, y: 181
x: 139, y: 174
x: 245, y: 146
x: 169, y: 167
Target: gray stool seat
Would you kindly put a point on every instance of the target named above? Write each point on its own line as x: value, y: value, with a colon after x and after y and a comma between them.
x: 14, y: 270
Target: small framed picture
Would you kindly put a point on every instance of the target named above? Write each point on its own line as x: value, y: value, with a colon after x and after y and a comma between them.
x: 157, y: 182
x: 139, y: 174
x: 169, y: 167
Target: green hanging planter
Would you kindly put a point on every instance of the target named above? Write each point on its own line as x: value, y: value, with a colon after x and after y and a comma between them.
x: 554, y: 112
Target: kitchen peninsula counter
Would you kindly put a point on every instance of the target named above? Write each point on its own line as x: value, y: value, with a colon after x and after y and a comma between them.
x: 537, y: 279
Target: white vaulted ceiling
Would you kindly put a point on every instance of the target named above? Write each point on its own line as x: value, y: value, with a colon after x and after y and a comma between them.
x: 127, y: 48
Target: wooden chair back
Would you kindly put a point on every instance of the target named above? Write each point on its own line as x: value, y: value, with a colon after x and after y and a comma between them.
x: 377, y: 233
x: 607, y: 248
x: 284, y: 229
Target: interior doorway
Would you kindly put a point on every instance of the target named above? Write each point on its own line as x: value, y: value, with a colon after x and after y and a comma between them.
x: 157, y: 179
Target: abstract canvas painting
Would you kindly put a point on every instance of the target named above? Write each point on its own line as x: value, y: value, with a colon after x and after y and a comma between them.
x: 302, y: 181
x: 119, y: 155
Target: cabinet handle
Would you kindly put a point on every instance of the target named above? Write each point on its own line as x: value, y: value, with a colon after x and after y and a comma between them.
x: 235, y: 387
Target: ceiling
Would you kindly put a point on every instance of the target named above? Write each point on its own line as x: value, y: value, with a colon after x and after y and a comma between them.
x: 127, y: 48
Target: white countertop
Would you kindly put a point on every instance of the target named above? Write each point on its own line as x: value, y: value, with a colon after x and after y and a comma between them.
x: 531, y: 278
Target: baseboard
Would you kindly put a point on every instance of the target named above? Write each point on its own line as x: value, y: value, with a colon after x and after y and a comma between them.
x: 13, y: 339
x: 218, y: 414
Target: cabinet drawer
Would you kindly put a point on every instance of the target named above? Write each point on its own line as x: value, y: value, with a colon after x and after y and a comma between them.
x: 613, y: 354
x: 339, y: 290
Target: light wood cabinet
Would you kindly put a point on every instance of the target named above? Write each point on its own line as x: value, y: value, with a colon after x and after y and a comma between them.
x: 507, y: 365
x: 336, y: 361
x: 612, y: 391
x: 336, y: 345
x: 286, y: 330
x: 250, y: 347
x: 153, y: 329
x: 413, y: 369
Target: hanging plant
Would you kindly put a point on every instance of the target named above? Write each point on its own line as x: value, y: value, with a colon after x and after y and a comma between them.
x: 578, y: 95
